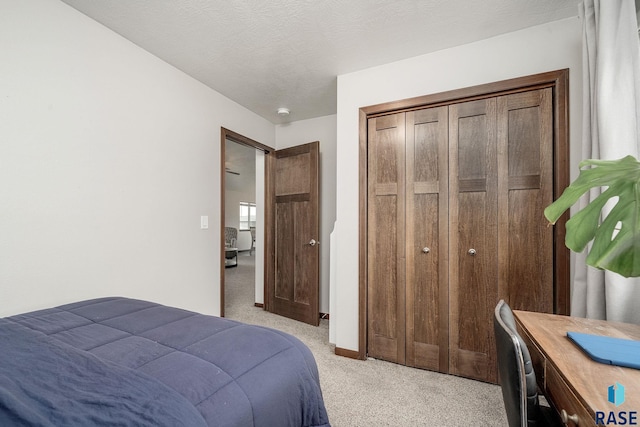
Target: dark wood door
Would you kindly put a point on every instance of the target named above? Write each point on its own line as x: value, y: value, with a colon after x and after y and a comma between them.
x: 456, y: 185
x: 386, y: 245
x: 473, y: 280
x: 296, y: 233
x: 525, y: 188
x: 501, y: 179
x: 427, y: 248
x: 456, y: 196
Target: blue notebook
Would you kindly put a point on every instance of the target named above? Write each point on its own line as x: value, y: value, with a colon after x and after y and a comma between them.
x: 609, y: 350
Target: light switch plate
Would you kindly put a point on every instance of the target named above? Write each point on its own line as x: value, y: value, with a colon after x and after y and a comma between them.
x: 204, y: 222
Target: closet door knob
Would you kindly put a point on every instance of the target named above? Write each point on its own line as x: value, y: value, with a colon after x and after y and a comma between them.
x: 472, y: 252
x: 426, y: 250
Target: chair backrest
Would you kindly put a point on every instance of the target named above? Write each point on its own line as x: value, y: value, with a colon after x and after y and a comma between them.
x: 230, y: 237
x: 252, y: 230
x: 517, y: 377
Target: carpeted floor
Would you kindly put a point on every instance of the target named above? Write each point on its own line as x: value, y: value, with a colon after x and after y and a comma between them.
x: 372, y: 392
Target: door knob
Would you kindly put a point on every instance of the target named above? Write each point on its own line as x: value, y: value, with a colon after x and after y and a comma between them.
x: 566, y: 418
x: 426, y: 250
x: 313, y: 242
x: 472, y: 252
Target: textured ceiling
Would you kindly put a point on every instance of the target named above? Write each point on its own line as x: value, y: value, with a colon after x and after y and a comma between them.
x: 266, y: 54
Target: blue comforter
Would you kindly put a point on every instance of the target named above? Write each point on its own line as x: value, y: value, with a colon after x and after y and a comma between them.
x: 118, y: 361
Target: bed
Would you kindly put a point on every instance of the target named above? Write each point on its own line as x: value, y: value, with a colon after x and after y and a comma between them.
x: 120, y: 361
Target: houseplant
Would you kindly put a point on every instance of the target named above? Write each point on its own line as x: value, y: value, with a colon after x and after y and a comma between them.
x: 616, y: 239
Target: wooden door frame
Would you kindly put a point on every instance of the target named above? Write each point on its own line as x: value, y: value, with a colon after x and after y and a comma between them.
x: 558, y: 80
x: 269, y: 225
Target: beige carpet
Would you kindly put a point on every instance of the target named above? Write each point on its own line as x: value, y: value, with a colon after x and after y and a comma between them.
x: 372, y: 392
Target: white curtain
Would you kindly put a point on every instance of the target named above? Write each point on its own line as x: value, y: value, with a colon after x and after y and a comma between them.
x: 611, y: 130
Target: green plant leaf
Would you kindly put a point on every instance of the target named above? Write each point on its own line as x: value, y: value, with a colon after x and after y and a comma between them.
x: 582, y: 227
x: 616, y: 240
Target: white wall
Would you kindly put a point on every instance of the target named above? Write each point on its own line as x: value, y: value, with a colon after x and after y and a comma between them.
x: 108, y: 158
x: 260, y: 227
x: 538, y: 49
x: 321, y: 129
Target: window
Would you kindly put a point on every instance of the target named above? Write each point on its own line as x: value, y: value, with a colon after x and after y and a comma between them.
x: 247, y: 215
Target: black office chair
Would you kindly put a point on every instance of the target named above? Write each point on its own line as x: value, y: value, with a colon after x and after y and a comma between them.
x: 517, y: 377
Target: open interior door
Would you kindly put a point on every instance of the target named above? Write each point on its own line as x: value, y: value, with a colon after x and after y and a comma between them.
x: 296, y: 254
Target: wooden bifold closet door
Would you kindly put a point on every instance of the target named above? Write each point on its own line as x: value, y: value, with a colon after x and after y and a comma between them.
x: 455, y: 201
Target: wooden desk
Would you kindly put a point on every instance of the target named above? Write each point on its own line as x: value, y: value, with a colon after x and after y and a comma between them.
x: 570, y: 380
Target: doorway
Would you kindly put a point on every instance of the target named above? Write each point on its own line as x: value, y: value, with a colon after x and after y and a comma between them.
x: 287, y: 242
x: 243, y: 207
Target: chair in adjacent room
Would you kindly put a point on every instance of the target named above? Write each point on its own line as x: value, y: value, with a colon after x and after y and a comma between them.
x: 517, y: 376
x: 230, y: 248
x: 253, y: 240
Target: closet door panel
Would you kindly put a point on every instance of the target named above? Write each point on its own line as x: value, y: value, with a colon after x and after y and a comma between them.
x: 525, y: 141
x: 427, y: 247
x: 473, y: 238
x: 386, y: 244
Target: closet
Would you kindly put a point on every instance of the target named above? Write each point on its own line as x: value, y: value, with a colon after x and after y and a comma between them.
x: 454, y: 213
